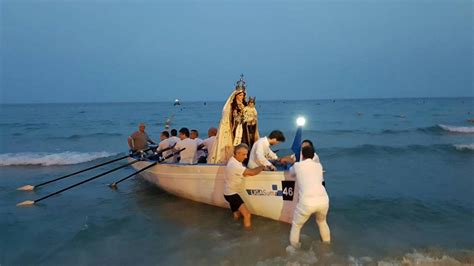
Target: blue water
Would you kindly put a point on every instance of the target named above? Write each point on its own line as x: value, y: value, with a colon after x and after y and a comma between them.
x: 399, y: 173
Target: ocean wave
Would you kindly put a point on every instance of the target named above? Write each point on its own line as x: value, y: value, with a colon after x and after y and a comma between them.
x: 464, y: 147
x: 457, y: 129
x: 382, y: 149
x: 93, y: 135
x: 315, y: 256
x: 27, y: 125
x: 48, y: 159
x: 438, y: 129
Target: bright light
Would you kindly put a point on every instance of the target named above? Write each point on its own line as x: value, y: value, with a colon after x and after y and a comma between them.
x: 300, y: 121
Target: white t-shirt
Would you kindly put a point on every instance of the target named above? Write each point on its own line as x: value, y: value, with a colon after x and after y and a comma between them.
x: 315, y: 158
x: 173, y: 140
x: 189, y: 154
x: 234, y: 175
x: 208, y: 143
x: 164, y: 144
x: 260, y: 154
x: 309, y: 178
x: 200, y: 152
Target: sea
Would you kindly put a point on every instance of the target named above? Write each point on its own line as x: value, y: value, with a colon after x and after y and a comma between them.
x: 399, y: 174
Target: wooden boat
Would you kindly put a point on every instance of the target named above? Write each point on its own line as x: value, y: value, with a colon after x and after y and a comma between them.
x: 269, y: 194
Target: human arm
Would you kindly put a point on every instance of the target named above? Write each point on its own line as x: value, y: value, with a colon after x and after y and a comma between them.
x: 149, y: 140
x: 292, y: 171
x: 260, y: 157
x: 130, y: 143
x: 254, y: 171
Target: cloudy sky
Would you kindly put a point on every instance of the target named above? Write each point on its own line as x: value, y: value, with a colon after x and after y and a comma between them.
x: 143, y: 50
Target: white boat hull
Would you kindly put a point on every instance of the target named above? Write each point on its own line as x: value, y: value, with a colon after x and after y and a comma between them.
x: 269, y: 194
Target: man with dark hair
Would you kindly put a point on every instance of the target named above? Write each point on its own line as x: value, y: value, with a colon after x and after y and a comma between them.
x: 174, y: 134
x: 278, y: 135
x: 235, y: 172
x: 165, y: 144
x: 261, y: 152
x: 139, y: 139
x: 189, y: 154
x: 313, y: 198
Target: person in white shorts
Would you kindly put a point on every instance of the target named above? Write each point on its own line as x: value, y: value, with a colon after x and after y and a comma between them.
x: 313, y: 198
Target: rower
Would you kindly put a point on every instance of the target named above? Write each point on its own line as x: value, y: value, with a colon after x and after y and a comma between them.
x: 139, y: 140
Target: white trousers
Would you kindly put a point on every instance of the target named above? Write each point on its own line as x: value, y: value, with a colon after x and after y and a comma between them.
x: 302, y: 214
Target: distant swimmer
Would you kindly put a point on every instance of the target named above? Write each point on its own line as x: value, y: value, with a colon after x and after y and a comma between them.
x: 139, y: 139
x: 313, y: 198
x: 235, y: 172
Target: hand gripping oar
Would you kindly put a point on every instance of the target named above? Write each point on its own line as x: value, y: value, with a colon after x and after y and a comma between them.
x: 114, y: 185
x: 31, y: 202
x: 30, y: 187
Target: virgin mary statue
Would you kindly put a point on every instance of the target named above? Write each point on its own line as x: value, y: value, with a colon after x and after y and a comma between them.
x: 232, y: 129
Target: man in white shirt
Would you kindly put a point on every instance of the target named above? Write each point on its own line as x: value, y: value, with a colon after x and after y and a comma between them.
x: 200, y: 154
x: 305, y: 143
x: 261, y: 152
x: 174, y: 139
x: 209, y: 142
x: 189, y: 154
x: 165, y: 144
x: 235, y: 172
x: 313, y: 198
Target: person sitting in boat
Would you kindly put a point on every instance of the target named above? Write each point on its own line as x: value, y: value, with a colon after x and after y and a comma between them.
x: 250, y: 122
x: 201, y: 154
x: 189, y: 154
x: 235, y: 172
x: 139, y: 140
x: 313, y: 198
x: 174, y: 136
x: 209, y: 142
x: 261, y: 154
x: 165, y: 144
x: 231, y: 127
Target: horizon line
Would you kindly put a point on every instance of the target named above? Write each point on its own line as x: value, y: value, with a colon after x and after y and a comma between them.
x: 274, y: 100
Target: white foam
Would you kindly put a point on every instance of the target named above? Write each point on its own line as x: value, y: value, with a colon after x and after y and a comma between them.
x: 464, y: 147
x: 417, y: 258
x: 456, y: 129
x: 48, y: 159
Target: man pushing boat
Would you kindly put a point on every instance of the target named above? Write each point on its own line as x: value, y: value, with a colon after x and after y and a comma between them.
x: 235, y: 172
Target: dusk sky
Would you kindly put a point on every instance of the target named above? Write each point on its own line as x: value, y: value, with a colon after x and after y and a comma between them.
x: 125, y: 51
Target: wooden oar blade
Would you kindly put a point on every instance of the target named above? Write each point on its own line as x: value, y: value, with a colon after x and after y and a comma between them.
x: 26, y: 188
x: 26, y: 203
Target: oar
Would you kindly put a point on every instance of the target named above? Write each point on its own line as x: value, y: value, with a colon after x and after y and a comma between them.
x: 31, y: 202
x: 30, y: 187
x: 114, y: 185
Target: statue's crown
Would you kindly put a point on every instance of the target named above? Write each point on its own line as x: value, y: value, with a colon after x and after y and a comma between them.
x: 240, y: 84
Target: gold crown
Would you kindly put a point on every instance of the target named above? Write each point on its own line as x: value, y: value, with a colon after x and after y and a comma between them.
x: 252, y: 99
